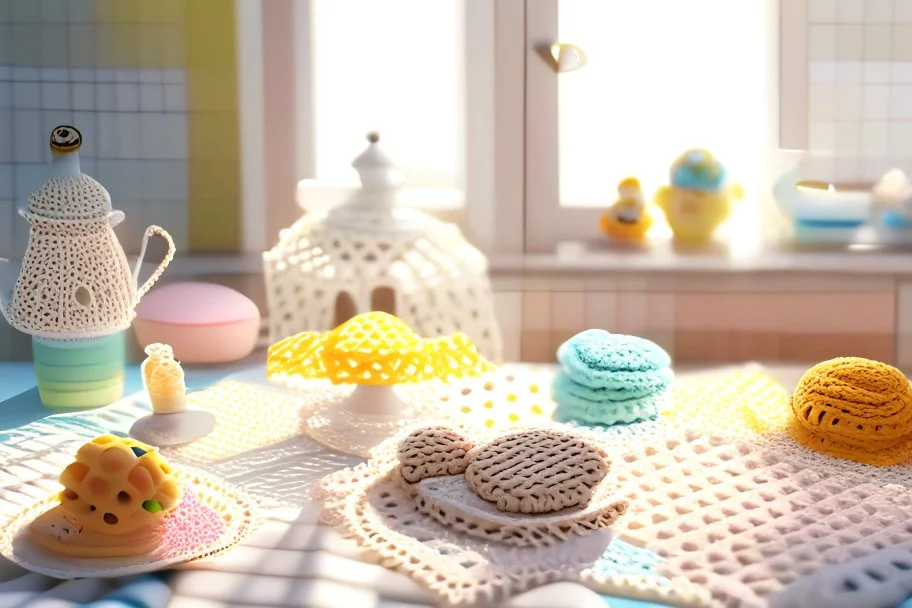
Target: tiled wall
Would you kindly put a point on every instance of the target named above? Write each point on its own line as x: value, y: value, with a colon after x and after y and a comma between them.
x: 152, y: 85
x: 714, y: 319
x: 860, y: 89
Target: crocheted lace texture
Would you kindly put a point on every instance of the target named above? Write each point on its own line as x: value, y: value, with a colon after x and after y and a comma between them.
x: 73, y: 198
x: 75, y: 281
x: 439, y: 279
x: 373, y: 348
x: 368, y: 502
x: 745, y: 520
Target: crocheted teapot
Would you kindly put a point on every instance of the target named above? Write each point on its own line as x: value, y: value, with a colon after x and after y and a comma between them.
x: 75, y: 281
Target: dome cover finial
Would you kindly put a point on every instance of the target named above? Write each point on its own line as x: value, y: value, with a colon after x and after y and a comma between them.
x: 375, y: 169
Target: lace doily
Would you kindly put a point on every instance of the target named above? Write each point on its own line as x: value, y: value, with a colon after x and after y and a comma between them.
x: 438, y: 279
x: 210, y: 519
x: 746, y: 520
x: 368, y: 503
x: 75, y: 281
x: 373, y: 348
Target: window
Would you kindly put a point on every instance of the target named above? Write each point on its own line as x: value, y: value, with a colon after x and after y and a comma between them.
x: 662, y: 76
x: 396, y: 67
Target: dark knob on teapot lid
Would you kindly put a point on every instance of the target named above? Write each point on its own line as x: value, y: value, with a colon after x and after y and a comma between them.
x: 65, y: 139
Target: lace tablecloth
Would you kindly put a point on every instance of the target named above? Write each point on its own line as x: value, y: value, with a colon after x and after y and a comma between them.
x: 289, y: 561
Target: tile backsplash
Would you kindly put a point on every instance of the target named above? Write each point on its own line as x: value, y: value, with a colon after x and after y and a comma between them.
x: 860, y: 87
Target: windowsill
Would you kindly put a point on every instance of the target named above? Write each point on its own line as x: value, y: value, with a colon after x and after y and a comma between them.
x: 579, y: 258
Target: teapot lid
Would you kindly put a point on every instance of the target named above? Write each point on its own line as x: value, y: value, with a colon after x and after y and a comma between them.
x: 69, y: 195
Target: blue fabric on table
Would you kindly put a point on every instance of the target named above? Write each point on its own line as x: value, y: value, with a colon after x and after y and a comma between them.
x: 143, y: 591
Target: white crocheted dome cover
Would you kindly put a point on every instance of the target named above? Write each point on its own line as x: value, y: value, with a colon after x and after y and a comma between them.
x: 439, y: 279
x: 75, y: 197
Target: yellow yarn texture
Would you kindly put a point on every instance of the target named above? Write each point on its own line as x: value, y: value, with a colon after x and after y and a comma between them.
x: 854, y: 408
x: 374, y: 348
x: 738, y: 404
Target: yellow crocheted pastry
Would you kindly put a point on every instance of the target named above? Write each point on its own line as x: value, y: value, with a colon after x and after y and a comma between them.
x: 374, y: 348
x: 115, y: 494
x: 856, y: 409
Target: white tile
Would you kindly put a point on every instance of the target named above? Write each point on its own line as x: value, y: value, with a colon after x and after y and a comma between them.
x: 848, y: 102
x: 105, y: 99
x: 55, y: 74
x: 822, y: 11
x: 106, y: 125
x: 151, y: 76
x: 55, y: 96
x: 155, y: 179
x: 177, y: 136
x: 7, y: 219
x: 902, y: 11
x: 82, y: 11
x: 105, y: 75
x: 878, y: 11
x: 849, y: 42
x: 173, y: 76
x: 125, y: 75
x: 6, y: 183
x: 87, y: 165
x: 6, y: 72
x: 26, y: 95
x: 126, y: 97
x: 83, y: 96
x: 822, y: 136
x: 129, y: 141
x: 848, y: 138
x: 822, y: 42
x: 175, y: 98
x: 177, y: 180
x: 151, y: 98
x: 6, y: 95
x: 28, y: 140
x: 850, y: 11
x: 86, y: 123
x: 848, y: 169
x: 822, y: 105
x: 26, y: 74
x: 154, y: 134
x: 848, y: 72
x: 876, y: 72
x: 29, y: 177
x: 6, y: 141
x: 82, y: 75
x: 901, y: 139
x: 131, y: 179
x: 901, y: 101
x: 108, y: 175
x: 901, y: 72
x: 875, y: 168
x: 876, y: 102
x: 875, y: 140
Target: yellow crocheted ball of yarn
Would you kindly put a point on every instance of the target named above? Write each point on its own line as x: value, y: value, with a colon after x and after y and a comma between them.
x: 855, y: 408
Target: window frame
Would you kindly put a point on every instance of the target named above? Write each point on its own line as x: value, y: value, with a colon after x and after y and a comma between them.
x: 547, y: 223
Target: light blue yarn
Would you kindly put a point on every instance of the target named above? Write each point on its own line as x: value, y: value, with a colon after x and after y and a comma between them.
x: 627, y: 386
x: 608, y: 413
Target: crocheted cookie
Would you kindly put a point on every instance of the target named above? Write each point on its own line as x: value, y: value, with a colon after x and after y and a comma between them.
x: 538, y: 471
x: 432, y: 452
x: 608, y: 413
x: 855, y: 408
x: 599, y: 359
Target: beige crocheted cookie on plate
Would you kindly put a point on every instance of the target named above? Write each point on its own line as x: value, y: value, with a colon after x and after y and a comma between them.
x: 532, y: 488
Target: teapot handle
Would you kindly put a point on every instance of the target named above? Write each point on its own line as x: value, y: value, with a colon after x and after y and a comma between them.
x: 152, y: 230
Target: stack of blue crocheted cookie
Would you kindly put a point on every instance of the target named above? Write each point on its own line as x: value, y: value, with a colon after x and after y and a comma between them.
x: 607, y: 379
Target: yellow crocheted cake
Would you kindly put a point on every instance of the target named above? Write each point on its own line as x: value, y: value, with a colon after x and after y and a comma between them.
x: 374, y: 348
x: 856, y: 409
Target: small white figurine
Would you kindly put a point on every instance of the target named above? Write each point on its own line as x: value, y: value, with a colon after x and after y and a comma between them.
x: 170, y: 422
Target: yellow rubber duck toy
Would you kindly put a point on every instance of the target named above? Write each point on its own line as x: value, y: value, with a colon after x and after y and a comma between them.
x: 699, y: 198
x: 628, y: 219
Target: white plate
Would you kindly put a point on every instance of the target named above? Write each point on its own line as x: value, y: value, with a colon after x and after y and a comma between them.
x: 222, y: 516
